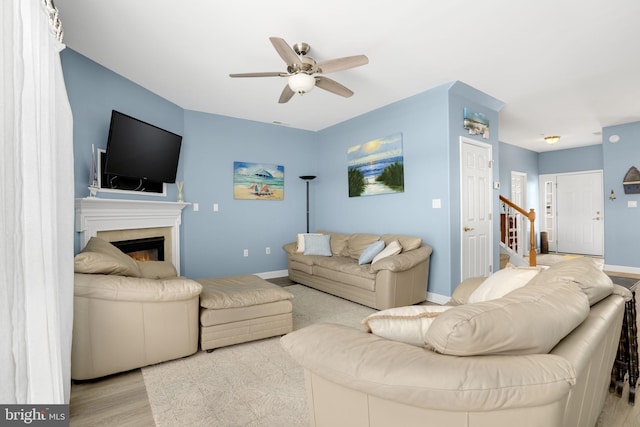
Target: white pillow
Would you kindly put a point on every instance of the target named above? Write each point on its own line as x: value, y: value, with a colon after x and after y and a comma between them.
x: 405, y: 324
x: 300, y: 241
x: 393, y: 248
x: 501, y: 283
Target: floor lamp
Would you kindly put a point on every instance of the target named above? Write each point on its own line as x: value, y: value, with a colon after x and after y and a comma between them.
x: 308, y: 178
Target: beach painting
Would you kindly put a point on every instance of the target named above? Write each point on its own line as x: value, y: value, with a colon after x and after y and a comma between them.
x: 376, y: 167
x: 476, y: 123
x: 258, y: 181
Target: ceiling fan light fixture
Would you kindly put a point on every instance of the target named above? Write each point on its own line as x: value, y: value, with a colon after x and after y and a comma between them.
x: 301, y: 83
x: 551, y: 139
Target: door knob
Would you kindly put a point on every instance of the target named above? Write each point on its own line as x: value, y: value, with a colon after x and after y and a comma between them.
x: 468, y: 228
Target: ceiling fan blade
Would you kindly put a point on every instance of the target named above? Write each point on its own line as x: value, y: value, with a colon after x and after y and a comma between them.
x: 339, y: 64
x: 286, y: 94
x: 333, y: 86
x: 285, y: 51
x: 266, y: 74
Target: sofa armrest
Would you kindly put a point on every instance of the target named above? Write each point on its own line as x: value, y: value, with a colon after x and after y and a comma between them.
x: 403, y: 261
x: 122, y: 288
x: 418, y: 377
x: 156, y: 269
x: 290, y: 248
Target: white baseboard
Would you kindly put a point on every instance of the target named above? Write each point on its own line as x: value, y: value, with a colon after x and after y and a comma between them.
x: 273, y: 274
x: 437, y: 298
x: 621, y: 269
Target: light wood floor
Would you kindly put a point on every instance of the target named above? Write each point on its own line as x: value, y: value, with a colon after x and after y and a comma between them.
x: 121, y: 400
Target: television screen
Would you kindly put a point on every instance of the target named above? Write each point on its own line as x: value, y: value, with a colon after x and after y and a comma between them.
x: 136, y: 149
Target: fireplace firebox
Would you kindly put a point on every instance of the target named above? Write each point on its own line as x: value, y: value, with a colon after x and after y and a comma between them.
x: 144, y: 249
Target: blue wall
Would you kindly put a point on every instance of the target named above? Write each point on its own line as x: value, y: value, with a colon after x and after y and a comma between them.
x: 213, y: 242
x: 621, y: 227
x: 570, y: 160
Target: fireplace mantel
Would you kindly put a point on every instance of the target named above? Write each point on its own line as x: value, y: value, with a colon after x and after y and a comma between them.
x: 95, y: 214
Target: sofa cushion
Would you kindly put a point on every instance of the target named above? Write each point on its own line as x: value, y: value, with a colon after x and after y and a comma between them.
x: 127, y: 264
x: 582, y: 271
x: 121, y: 288
x: 529, y: 320
x: 156, y: 269
x: 338, y: 243
x: 405, y: 324
x: 97, y: 263
x: 392, y: 248
x: 366, y: 257
x: 358, y: 242
x: 502, y: 282
x: 317, y: 244
x: 408, y: 243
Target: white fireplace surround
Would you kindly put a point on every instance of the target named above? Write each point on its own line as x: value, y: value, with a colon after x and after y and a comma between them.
x: 94, y: 214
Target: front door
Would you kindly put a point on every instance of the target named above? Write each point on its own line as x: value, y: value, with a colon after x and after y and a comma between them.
x: 580, y: 213
x: 476, y: 208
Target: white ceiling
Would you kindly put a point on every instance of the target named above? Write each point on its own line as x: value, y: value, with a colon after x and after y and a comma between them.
x: 562, y: 67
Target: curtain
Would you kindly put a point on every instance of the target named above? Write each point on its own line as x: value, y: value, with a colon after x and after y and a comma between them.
x: 37, y: 209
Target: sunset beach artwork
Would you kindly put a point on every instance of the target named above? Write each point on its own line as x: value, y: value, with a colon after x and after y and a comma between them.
x: 258, y: 181
x: 376, y: 167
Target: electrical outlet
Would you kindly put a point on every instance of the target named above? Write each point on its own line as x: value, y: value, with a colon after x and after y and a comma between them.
x: 216, y: 208
x: 246, y: 252
x: 196, y: 207
x: 268, y: 251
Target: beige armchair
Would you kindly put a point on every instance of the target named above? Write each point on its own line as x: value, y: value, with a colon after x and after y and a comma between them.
x: 129, y: 314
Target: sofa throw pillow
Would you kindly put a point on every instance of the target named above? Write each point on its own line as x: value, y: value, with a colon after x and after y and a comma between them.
x: 97, y: 263
x: 300, y: 241
x: 405, y: 324
x: 317, y: 244
x: 129, y: 266
x: 530, y: 320
x: 370, y: 252
x: 501, y: 283
x: 393, y: 248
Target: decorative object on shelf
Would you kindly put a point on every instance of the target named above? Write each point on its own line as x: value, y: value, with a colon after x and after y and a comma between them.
x: 612, y: 196
x: 552, y: 139
x: 631, y: 181
x: 308, y: 178
x: 258, y: 181
x: 376, y: 167
x: 94, y: 185
x: 476, y: 123
x: 180, y: 185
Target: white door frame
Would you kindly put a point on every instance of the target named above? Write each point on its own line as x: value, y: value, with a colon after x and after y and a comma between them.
x: 489, y: 203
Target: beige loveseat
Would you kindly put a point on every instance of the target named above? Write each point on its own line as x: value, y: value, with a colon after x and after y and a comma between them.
x: 128, y: 314
x: 541, y: 355
x: 392, y: 281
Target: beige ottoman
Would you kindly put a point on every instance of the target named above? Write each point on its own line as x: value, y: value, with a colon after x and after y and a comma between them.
x: 243, y: 308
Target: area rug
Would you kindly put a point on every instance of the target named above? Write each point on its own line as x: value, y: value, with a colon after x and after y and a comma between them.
x: 250, y: 384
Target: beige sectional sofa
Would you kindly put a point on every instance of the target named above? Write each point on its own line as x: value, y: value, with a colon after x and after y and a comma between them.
x: 540, y: 355
x: 392, y: 281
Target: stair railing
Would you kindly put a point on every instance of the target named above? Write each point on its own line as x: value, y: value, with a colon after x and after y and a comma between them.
x: 509, y: 228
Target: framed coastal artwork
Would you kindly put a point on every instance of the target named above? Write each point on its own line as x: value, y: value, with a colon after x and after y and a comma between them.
x: 376, y: 167
x: 258, y: 181
x: 476, y: 123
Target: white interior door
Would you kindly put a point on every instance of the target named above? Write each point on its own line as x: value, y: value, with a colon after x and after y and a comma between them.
x: 476, y: 208
x: 580, y: 228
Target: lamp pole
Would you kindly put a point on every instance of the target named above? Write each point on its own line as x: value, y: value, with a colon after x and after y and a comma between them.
x: 308, y: 178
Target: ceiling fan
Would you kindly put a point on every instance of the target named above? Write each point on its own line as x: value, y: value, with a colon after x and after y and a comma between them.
x: 302, y: 70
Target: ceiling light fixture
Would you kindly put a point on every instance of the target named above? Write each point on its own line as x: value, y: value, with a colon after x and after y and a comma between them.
x: 551, y: 139
x: 301, y: 83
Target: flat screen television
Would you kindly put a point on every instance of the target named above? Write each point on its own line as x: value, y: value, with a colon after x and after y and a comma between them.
x: 140, y: 150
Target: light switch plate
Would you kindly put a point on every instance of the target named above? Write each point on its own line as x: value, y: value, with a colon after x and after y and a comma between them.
x: 632, y: 203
